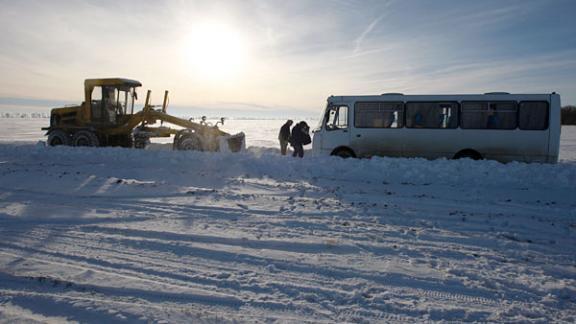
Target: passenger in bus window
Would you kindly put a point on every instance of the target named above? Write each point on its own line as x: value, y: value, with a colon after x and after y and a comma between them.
x: 389, y: 119
x: 418, y: 120
x: 441, y: 120
x: 378, y: 123
x: 493, y: 120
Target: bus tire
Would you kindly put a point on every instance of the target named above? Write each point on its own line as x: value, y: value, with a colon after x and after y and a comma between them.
x: 344, y: 153
x: 468, y: 154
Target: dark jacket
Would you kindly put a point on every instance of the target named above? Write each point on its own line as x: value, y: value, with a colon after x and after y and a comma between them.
x: 284, y: 134
x: 300, y: 134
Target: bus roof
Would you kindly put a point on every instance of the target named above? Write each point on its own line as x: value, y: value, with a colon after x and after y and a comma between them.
x: 493, y: 96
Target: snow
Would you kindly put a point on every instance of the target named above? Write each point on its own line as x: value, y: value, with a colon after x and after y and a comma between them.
x: 568, y: 144
x: 121, y: 235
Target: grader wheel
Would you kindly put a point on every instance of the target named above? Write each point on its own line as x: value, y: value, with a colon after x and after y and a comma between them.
x: 140, y: 142
x: 58, y: 137
x: 189, y: 142
x: 85, y: 138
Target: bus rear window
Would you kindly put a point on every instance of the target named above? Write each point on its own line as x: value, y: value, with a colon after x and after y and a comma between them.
x: 533, y: 115
x: 379, y: 115
x: 489, y: 115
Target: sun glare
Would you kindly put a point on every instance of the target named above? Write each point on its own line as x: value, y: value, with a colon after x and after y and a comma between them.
x: 215, y: 52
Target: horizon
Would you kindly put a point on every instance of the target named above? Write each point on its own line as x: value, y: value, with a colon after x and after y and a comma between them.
x: 271, y: 57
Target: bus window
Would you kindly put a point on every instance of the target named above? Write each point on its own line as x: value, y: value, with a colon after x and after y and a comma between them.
x: 533, y: 115
x: 489, y: 115
x: 432, y: 115
x: 337, y: 118
x: 379, y: 115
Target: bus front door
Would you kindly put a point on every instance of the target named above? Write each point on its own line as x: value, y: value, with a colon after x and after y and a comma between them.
x: 336, y: 128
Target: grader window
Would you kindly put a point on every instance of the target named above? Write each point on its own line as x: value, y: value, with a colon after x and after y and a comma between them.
x: 111, y: 105
x: 105, y: 104
x: 96, y: 103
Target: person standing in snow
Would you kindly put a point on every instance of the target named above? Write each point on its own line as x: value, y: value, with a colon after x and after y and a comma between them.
x: 284, y: 136
x: 300, y: 137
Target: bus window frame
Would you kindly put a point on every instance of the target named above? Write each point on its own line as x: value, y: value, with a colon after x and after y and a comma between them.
x: 403, y: 119
x: 516, y: 103
x: 458, y: 111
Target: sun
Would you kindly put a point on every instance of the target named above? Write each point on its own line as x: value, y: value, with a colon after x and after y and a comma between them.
x: 215, y: 51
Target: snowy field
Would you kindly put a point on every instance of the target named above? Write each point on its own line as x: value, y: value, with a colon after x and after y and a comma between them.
x: 118, y: 235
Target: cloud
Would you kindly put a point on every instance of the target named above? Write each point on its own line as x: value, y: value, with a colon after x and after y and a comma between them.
x: 302, y: 51
x: 359, y: 39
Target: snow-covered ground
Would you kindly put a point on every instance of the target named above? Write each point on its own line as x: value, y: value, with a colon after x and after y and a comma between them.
x: 112, y: 235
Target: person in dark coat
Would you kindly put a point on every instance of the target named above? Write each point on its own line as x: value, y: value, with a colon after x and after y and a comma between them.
x: 284, y: 136
x: 300, y: 137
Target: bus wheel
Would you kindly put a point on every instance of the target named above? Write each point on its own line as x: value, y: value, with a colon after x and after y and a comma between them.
x: 468, y: 154
x: 344, y: 153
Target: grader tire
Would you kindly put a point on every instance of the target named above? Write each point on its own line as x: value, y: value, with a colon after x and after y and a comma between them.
x: 125, y: 141
x: 189, y: 142
x: 128, y: 142
x: 140, y: 142
x: 85, y: 138
x: 58, y: 137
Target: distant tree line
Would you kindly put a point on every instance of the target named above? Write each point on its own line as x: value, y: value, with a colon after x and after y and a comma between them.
x: 569, y: 115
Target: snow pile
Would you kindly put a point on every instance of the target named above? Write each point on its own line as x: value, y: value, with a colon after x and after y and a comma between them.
x: 260, y: 163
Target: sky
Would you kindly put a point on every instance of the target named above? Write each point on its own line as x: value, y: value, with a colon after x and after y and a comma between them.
x: 285, y: 56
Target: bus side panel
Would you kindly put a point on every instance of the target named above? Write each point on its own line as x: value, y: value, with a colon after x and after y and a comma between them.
x: 511, y: 145
x: 555, y: 128
x: 367, y: 142
x: 500, y: 145
x: 432, y: 143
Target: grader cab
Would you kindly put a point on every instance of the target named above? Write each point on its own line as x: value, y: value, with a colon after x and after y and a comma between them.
x: 107, y: 118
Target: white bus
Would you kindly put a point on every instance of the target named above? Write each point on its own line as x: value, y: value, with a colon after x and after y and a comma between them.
x: 498, y: 126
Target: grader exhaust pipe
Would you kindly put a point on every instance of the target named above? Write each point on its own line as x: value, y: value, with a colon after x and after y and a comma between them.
x: 165, y: 103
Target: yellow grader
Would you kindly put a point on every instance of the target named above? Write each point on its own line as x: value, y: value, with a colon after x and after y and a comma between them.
x: 107, y: 118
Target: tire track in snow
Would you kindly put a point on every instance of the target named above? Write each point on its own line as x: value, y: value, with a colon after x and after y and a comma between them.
x: 454, y: 298
x: 463, y: 299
